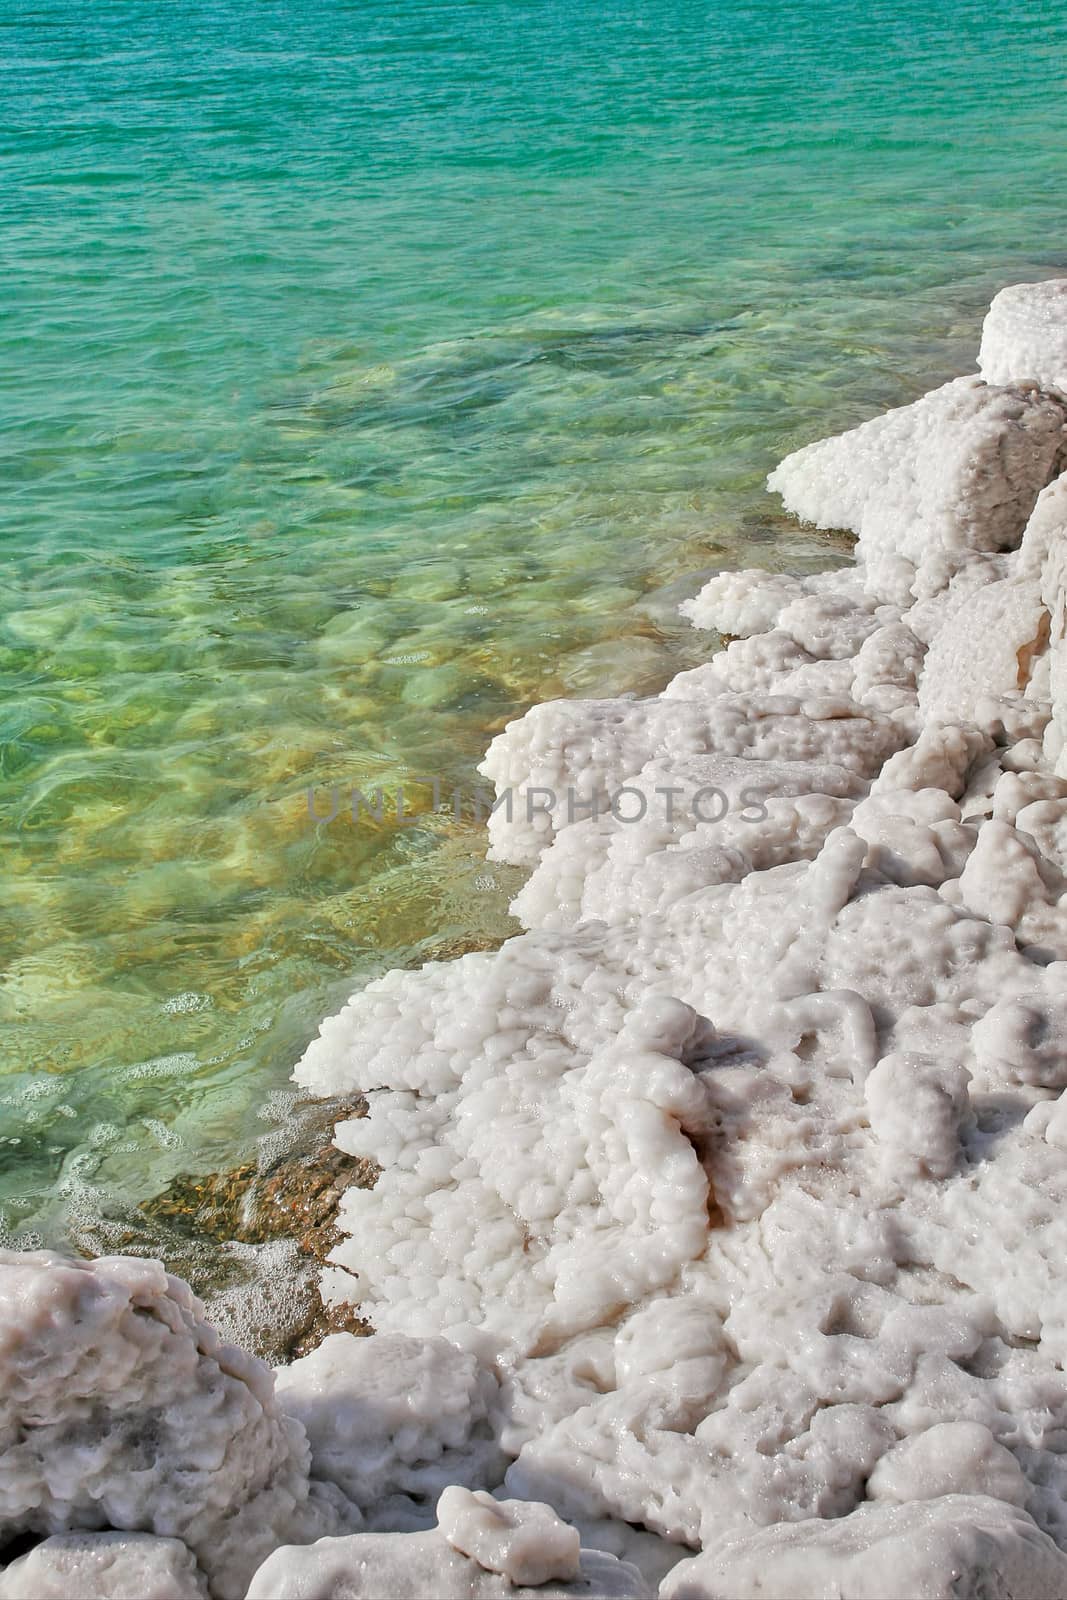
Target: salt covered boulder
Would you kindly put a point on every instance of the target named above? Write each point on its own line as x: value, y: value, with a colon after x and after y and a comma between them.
x: 389, y: 1416
x: 960, y: 1547
x: 104, y: 1566
x: 1024, y: 335
x: 987, y: 648
x: 521, y: 1539
x: 120, y: 1408
x: 958, y: 471
x: 949, y: 1458
x: 432, y: 1566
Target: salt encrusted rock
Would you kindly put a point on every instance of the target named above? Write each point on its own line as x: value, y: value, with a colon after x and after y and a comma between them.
x: 391, y: 1416
x: 887, y: 669
x: 423, y: 1566
x: 592, y: 748
x: 525, y: 1216
x: 522, y: 1540
x: 961, y: 1547
x: 949, y: 1458
x: 917, y: 1105
x: 1045, y: 529
x: 986, y: 649
x: 1052, y: 515
x: 1022, y: 1037
x: 915, y: 835
x: 104, y: 1566
x: 958, y: 471
x: 120, y: 1408
x: 686, y: 824
x: 942, y: 757
x: 743, y: 603
x: 1024, y: 336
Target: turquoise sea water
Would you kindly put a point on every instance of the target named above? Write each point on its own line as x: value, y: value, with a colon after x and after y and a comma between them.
x: 366, y: 370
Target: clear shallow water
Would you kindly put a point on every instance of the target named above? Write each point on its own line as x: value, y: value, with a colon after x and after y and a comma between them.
x: 365, y: 372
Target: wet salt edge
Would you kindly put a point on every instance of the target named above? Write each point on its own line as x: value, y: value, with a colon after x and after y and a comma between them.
x: 721, y: 1212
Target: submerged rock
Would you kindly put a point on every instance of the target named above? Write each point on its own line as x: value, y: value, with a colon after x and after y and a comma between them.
x: 251, y: 1240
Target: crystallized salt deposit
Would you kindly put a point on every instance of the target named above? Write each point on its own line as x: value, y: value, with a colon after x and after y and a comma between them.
x: 747, y: 1159
x: 961, y: 1547
x: 120, y: 1409
x: 722, y: 1224
x: 1025, y: 335
x: 423, y: 1566
x: 392, y: 1420
x: 929, y: 487
x: 525, y: 1541
x: 104, y: 1566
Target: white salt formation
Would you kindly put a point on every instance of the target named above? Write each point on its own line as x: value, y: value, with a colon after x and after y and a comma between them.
x: 720, y: 1246
x: 946, y: 1549
x: 392, y: 1421
x: 524, y: 1541
x: 744, y: 1167
x: 423, y: 1566
x: 120, y: 1409
x: 1025, y: 335
x: 114, y: 1566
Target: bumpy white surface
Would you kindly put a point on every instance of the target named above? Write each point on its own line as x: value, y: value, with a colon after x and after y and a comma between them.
x: 929, y: 487
x: 524, y: 1541
x: 958, y: 1548
x: 1025, y: 335
x: 747, y: 1157
x: 423, y: 1566
x: 392, y: 1419
x: 120, y: 1408
x: 104, y: 1566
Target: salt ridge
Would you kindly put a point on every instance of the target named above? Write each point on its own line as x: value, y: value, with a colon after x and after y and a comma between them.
x: 722, y: 1211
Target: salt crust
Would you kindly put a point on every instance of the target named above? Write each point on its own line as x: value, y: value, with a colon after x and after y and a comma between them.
x: 722, y: 1211
x: 743, y: 1166
x: 423, y: 1566
x: 1025, y: 334
x: 524, y: 1541
x: 120, y: 1408
x: 960, y: 1547
x: 113, y: 1566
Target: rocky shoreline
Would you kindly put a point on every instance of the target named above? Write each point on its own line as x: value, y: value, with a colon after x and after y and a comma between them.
x: 287, y: 1197
x: 717, y: 1247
